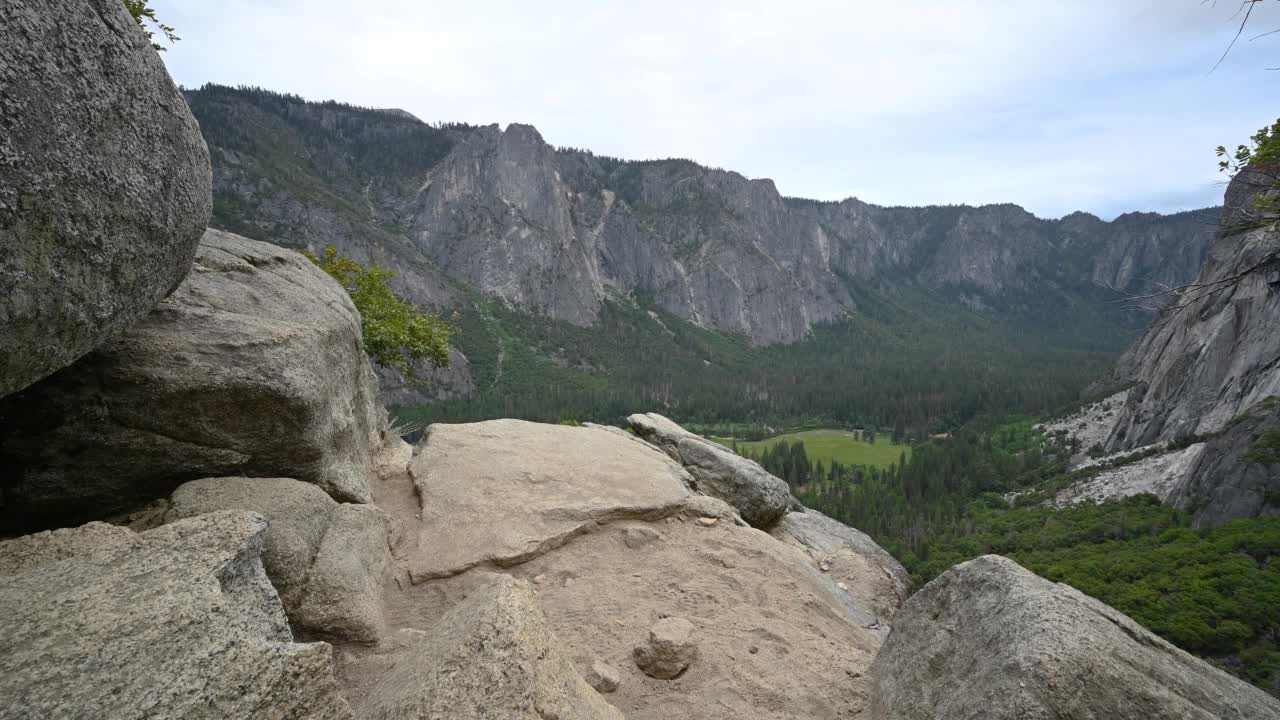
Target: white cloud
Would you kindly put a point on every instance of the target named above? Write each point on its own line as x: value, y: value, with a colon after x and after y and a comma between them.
x: 1087, y: 104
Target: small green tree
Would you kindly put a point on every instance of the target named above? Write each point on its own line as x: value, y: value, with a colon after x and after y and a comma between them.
x: 143, y: 13
x: 396, y: 334
x: 1261, y: 158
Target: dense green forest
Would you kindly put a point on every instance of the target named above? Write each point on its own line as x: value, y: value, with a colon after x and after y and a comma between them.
x: 1213, y: 592
x: 912, y: 365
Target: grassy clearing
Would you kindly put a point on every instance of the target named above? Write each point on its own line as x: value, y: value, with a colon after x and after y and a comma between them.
x: 827, y: 445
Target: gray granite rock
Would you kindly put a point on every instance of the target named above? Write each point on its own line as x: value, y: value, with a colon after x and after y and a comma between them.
x: 181, y: 623
x: 988, y: 639
x: 253, y: 367
x: 104, y: 182
x: 491, y: 656
x: 28, y: 551
x: 872, y: 578
x: 325, y: 559
x: 343, y: 596
x: 717, y: 471
x: 668, y: 650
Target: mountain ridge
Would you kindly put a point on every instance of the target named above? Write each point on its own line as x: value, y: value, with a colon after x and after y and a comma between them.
x: 554, y: 230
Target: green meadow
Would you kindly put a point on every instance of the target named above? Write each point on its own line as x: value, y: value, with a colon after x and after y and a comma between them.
x: 844, y: 446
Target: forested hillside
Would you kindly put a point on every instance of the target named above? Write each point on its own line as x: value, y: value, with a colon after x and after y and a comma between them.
x: 589, y: 287
x: 983, y: 490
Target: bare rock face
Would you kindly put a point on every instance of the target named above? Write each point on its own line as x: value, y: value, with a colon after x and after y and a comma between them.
x: 555, y: 231
x: 874, y: 579
x: 179, y: 622
x: 1197, y: 370
x: 252, y: 367
x: 492, y: 656
x: 988, y: 639
x: 104, y: 182
x: 668, y: 650
x: 324, y: 559
x: 717, y: 471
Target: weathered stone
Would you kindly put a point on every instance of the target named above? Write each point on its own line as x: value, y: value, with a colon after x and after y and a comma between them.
x: 492, y: 656
x: 988, y: 639
x: 603, y: 677
x: 343, y: 596
x: 181, y: 623
x: 637, y: 537
x: 557, y: 505
x: 505, y: 491
x: 253, y: 367
x: 717, y: 471
x: 24, y: 553
x: 325, y: 559
x: 298, y: 514
x: 104, y: 182
x: 669, y: 649
x: 876, y: 581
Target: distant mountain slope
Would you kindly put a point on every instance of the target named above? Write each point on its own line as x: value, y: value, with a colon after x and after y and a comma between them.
x: 749, y: 304
x: 556, y: 231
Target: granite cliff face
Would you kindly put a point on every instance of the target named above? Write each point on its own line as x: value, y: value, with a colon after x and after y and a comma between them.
x: 557, y: 231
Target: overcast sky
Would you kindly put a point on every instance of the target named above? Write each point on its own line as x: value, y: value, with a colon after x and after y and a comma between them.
x: 1101, y: 105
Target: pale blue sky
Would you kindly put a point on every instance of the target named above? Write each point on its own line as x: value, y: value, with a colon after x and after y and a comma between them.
x: 1100, y: 105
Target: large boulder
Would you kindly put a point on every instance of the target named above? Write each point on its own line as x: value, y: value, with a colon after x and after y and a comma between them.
x: 492, y: 656
x: 179, y: 622
x: 760, y: 497
x: 104, y: 182
x: 604, y: 529
x: 253, y: 367
x: 989, y: 639
x: 324, y: 559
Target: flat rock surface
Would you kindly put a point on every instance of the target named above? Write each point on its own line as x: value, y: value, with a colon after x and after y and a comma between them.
x: 104, y: 182
x: 988, y: 639
x: 181, y: 623
x: 504, y: 491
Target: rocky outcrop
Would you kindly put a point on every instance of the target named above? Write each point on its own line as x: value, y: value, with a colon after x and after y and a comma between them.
x: 504, y: 491
x: 556, y: 231
x: 178, y: 622
x: 988, y: 639
x: 872, y: 578
x: 606, y: 531
x: 254, y: 367
x: 324, y: 559
x: 668, y: 650
x: 1199, y: 366
x: 492, y: 656
x: 104, y: 182
x: 717, y: 471
x: 1233, y: 476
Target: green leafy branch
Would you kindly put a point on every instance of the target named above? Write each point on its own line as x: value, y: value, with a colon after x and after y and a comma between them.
x: 396, y: 334
x: 144, y: 13
x: 1261, y: 158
